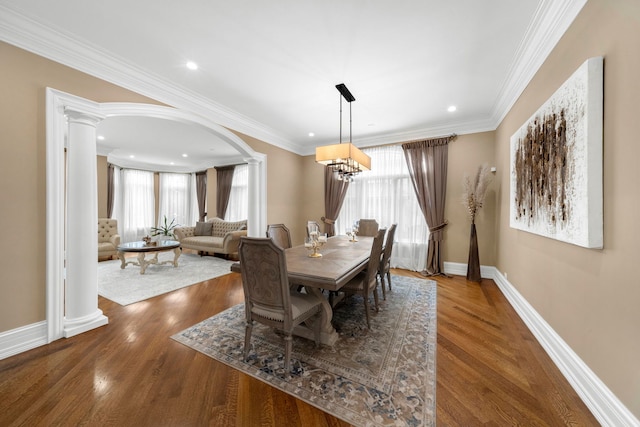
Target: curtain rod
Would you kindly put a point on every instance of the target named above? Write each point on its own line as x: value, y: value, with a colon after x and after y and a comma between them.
x: 451, y: 138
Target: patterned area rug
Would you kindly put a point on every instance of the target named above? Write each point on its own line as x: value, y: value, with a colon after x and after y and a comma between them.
x: 379, y: 377
x: 127, y: 286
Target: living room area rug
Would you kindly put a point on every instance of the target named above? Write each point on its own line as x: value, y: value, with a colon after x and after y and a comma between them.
x: 385, y: 376
x: 127, y: 286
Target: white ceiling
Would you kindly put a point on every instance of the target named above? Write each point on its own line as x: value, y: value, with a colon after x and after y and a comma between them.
x: 269, y: 68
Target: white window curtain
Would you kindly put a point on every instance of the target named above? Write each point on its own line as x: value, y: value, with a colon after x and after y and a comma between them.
x: 178, y: 201
x: 238, y: 208
x: 135, y: 204
x: 385, y: 193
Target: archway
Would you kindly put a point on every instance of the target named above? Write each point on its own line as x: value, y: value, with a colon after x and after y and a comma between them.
x: 58, y: 106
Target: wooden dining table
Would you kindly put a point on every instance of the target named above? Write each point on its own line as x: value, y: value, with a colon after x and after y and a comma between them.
x: 342, y: 259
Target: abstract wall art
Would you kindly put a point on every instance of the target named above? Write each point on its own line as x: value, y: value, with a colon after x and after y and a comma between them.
x: 556, y: 163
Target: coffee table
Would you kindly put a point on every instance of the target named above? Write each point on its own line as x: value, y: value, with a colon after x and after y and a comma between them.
x: 141, y: 248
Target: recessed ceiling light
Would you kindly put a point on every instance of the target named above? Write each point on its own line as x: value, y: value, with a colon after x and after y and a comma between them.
x: 131, y: 156
x: 172, y: 163
x: 452, y: 108
x: 185, y: 155
x: 192, y: 65
x: 312, y: 134
x: 101, y: 138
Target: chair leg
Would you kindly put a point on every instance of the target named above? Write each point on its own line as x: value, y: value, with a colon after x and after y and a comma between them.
x: 247, y: 338
x: 375, y: 296
x: 384, y: 292
x: 389, y: 279
x: 287, y: 354
x: 366, y: 309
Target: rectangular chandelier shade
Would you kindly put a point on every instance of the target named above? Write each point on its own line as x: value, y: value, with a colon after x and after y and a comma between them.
x: 346, y: 157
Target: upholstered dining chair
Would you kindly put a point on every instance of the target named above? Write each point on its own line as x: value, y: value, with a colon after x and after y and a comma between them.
x: 385, y: 260
x: 367, y: 282
x: 312, y: 226
x: 280, y: 235
x: 268, y: 299
x: 367, y: 227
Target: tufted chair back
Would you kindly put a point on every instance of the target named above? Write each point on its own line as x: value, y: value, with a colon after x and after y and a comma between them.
x: 108, y: 238
x: 107, y: 228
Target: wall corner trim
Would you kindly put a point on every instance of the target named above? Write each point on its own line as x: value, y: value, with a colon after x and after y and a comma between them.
x: 604, y: 405
x: 22, y: 339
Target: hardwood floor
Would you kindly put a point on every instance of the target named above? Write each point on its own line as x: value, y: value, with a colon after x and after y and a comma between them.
x: 490, y: 370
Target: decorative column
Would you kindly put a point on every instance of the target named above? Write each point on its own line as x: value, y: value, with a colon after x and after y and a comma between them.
x: 81, y: 261
x: 253, y: 220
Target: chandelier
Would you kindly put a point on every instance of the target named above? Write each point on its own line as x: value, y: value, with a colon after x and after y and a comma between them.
x: 345, y: 159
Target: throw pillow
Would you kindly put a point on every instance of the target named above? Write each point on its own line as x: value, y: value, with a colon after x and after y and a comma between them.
x: 203, y: 229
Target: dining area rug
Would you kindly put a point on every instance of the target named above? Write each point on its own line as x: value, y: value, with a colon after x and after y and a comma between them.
x: 383, y: 376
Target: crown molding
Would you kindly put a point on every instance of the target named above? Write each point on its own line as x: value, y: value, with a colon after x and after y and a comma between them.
x: 54, y: 44
x: 551, y: 20
x: 459, y: 128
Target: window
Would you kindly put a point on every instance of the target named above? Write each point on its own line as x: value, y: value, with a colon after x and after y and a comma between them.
x: 386, y: 194
x: 238, y: 207
x: 135, y: 209
x: 178, y: 200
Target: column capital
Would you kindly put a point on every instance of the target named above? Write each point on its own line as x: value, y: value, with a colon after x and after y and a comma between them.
x: 82, y: 117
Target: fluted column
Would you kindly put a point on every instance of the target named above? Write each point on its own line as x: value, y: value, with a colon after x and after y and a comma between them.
x: 81, y: 283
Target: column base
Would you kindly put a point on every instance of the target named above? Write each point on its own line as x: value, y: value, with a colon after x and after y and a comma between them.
x: 73, y: 327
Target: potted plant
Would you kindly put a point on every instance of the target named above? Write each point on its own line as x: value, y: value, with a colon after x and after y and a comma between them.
x: 165, y: 230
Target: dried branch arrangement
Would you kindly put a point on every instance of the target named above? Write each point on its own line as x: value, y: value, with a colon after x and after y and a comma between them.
x: 474, y: 190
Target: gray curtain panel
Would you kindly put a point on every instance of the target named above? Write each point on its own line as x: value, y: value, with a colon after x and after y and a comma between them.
x: 224, y: 178
x: 110, y: 195
x: 201, y: 193
x: 334, y: 192
x: 427, y: 163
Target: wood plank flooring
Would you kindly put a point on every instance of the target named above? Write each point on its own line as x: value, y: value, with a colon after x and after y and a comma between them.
x: 490, y: 370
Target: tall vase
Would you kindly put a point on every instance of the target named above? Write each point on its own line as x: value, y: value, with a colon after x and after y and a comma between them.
x: 473, y: 265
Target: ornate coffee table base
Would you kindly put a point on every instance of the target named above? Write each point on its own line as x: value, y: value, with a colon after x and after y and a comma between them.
x: 142, y: 250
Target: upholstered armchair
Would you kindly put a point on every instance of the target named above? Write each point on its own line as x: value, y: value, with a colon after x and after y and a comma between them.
x: 108, y: 238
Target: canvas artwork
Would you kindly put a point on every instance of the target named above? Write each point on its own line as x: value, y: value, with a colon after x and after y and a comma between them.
x: 556, y: 163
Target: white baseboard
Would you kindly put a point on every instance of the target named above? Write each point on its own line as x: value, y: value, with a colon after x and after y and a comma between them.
x: 604, y: 405
x: 22, y: 339
x: 460, y: 269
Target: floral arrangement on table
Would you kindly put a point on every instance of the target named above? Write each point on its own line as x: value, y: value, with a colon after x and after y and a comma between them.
x: 166, y: 229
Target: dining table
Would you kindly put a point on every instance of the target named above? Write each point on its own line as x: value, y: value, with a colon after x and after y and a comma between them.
x: 342, y: 259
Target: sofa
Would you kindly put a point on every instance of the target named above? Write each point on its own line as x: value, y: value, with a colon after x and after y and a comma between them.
x: 215, y: 236
x: 108, y: 238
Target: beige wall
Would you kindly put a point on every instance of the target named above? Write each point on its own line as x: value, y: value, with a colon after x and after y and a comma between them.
x: 590, y: 297
x: 23, y: 80
x: 587, y: 296
x: 466, y: 154
x: 285, y: 185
